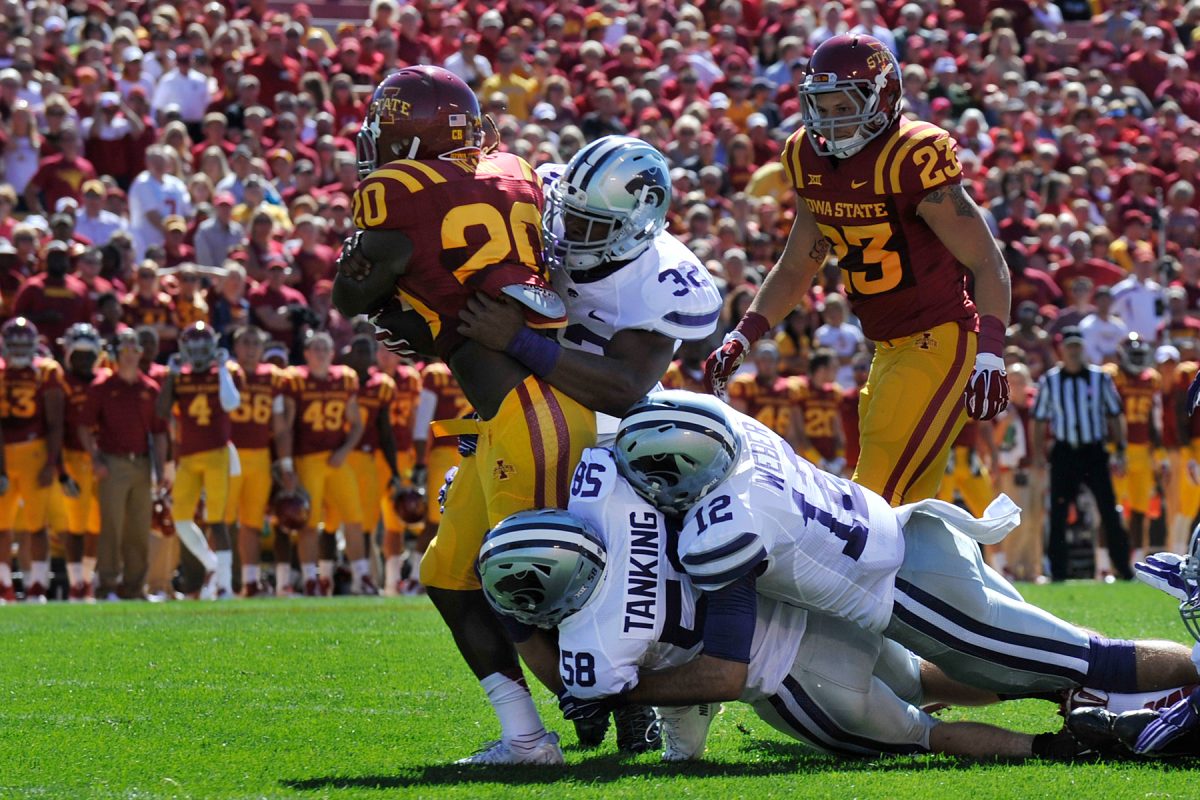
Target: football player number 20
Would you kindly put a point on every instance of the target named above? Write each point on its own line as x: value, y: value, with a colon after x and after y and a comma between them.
x: 522, y: 231
x: 870, y: 267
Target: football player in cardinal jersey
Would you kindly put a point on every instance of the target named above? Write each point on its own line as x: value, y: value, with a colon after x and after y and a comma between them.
x: 202, y: 389
x: 251, y: 428
x: 32, y: 422
x: 627, y: 617
x: 886, y: 194
x: 320, y: 426
x: 767, y: 396
x: 400, y: 535
x: 515, y: 378
x: 374, y: 457
x: 1140, y: 387
x: 756, y: 515
x: 81, y: 348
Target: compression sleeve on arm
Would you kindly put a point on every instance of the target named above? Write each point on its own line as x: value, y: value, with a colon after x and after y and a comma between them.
x: 729, y: 621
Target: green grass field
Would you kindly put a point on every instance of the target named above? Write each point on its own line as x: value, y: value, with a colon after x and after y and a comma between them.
x: 367, y: 698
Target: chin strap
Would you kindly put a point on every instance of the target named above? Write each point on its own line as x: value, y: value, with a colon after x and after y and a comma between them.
x: 490, y: 126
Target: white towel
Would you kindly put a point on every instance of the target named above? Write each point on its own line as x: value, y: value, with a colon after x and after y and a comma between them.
x: 1000, y: 517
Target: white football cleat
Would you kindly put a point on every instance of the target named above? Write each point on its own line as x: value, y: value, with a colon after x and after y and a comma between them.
x: 545, y: 753
x: 685, y: 730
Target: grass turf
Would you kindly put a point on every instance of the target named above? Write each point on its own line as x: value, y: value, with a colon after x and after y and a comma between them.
x: 367, y: 698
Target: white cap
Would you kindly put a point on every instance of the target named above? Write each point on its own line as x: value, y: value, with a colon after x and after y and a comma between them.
x: 757, y: 120
x: 63, y: 203
x: 718, y: 100
x: 54, y: 24
x: 1168, y: 352
x: 132, y: 53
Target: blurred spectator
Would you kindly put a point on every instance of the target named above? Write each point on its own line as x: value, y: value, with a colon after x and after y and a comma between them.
x: 154, y: 196
x: 95, y: 222
x: 219, y: 235
x: 54, y: 300
x: 59, y: 175
x: 1102, y: 332
x: 1139, y: 300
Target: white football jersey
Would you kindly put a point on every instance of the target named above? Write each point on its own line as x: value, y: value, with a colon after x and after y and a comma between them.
x: 814, y: 540
x: 646, y: 613
x: 665, y: 289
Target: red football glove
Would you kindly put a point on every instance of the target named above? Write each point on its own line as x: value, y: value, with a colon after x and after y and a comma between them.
x: 725, y: 360
x: 987, y: 390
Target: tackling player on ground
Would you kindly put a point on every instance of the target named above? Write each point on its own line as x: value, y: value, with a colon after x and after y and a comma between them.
x: 201, y: 389
x: 886, y: 194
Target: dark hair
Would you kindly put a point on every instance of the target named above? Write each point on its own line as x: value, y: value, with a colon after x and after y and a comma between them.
x: 822, y: 357
x: 249, y: 332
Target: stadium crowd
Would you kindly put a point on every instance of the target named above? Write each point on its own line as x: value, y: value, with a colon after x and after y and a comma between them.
x: 168, y: 164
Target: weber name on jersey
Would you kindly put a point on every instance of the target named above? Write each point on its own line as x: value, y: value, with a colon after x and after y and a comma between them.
x: 828, y: 544
x: 646, y: 614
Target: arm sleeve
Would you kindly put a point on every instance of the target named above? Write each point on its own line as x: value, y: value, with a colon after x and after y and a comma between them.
x: 729, y: 623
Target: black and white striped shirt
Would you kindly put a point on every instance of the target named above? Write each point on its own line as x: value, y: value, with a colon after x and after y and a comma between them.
x: 1077, y: 405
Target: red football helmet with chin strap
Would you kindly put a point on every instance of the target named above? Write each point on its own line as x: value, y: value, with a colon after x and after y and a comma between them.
x: 868, y: 73
x: 421, y: 113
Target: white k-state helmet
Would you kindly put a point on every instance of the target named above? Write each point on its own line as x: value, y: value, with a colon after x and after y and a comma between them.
x: 541, y: 566
x: 674, y: 447
x: 609, y: 204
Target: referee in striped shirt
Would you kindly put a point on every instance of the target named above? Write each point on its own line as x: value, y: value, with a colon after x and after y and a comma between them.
x: 1078, y: 403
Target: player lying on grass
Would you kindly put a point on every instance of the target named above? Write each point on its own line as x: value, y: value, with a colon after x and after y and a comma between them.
x: 757, y: 519
x: 596, y: 592
x: 1166, y: 729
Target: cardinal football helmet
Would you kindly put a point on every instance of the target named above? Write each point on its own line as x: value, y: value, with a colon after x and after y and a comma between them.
x: 541, y: 566
x: 410, y: 505
x: 608, y: 205
x: 866, y: 71
x: 198, y: 345
x: 20, y: 338
x: 1137, y: 354
x: 674, y: 447
x: 421, y: 113
x: 292, y: 510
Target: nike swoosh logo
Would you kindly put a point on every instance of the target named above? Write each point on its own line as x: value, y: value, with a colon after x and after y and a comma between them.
x: 857, y: 184
x: 596, y: 317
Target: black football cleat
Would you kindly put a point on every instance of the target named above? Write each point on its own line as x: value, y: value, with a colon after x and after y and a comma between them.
x: 638, y: 729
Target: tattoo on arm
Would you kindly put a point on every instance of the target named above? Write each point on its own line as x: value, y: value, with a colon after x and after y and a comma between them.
x: 963, y: 206
x: 820, y: 250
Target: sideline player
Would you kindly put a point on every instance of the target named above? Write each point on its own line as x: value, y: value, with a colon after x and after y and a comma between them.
x: 1140, y: 387
x: 32, y: 422
x: 399, y: 535
x: 769, y: 397
x: 886, y: 194
x: 967, y: 469
x: 758, y: 517
x: 597, y: 235
x: 201, y: 392
x: 250, y: 430
x: 373, y: 457
x: 441, y: 398
x: 321, y: 426
x: 822, y: 438
x: 81, y: 352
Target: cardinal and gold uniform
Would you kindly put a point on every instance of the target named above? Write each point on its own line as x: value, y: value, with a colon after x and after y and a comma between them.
x: 250, y: 431
x: 403, y: 417
x: 23, y: 420
x: 441, y: 452
x: 771, y: 402
x: 375, y: 397
x: 820, y: 407
x: 967, y: 472
x: 678, y: 376
x: 1189, y: 489
x: 203, y: 429
x: 81, y: 514
x: 321, y: 425
x: 1141, y: 400
x: 906, y: 288
x: 475, y: 225
x: 156, y: 310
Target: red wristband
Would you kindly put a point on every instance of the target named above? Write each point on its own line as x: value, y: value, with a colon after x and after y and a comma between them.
x: 753, y: 326
x: 991, y: 335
